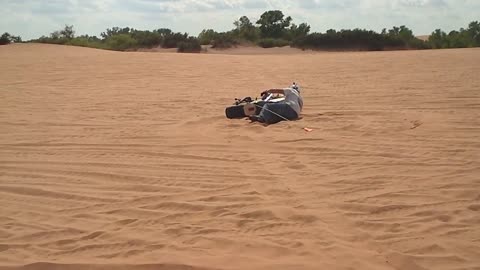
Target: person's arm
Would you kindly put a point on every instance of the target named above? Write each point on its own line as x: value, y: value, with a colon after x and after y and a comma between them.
x: 273, y: 91
x: 276, y: 91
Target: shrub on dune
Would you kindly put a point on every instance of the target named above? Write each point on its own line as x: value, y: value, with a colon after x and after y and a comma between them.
x: 272, y: 42
x: 121, y: 42
x: 191, y: 45
x: 223, y: 41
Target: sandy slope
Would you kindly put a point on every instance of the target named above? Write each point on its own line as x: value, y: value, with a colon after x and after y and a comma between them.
x: 424, y: 37
x: 254, y: 50
x: 125, y: 161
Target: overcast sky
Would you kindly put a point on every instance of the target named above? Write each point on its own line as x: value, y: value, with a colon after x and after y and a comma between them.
x: 33, y: 18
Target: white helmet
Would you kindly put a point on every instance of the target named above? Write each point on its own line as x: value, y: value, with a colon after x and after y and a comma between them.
x: 295, y: 86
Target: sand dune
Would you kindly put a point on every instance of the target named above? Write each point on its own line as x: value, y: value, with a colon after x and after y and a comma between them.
x: 114, y: 160
x: 423, y: 37
x: 255, y: 50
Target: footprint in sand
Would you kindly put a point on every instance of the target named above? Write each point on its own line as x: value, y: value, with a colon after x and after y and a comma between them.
x: 415, y: 124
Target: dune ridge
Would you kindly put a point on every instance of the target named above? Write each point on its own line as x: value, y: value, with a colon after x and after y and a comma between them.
x: 115, y: 160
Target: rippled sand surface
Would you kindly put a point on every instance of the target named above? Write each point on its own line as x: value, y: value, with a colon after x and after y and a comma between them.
x: 114, y: 160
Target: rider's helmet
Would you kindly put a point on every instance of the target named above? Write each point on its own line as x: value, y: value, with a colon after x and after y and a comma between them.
x: 295, y: 86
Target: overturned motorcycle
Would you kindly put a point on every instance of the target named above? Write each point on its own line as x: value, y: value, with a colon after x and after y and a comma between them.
x: 247, y: 106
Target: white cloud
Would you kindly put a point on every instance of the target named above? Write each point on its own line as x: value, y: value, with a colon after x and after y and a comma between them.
x: 33, y: 18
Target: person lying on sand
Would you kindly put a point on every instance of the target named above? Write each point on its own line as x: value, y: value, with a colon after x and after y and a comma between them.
x: 288, y: 109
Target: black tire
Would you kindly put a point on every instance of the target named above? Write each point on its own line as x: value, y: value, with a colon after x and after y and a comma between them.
x: 235, y: 112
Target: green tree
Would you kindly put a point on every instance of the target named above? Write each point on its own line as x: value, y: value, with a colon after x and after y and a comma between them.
x: 207, y: 36
x: 163, y: 31
x: 273, y: 24
x: 55, y: 35
x: 331, y: 32
x: 173, y: 39
x: 16, y: 39
x: 463, y: 38
x: 5, y: 39
x: 438, y: 39
x: 115, y: 31
x: 297, y: 32
x: 120, y: 42
x: 169, y: 39
x: 245, y: 29
x: 86, y: 41
x: 62, y: 36
x: 406, y: 34
x: 474, y: 33
x: 457, y: 39
x: 146, y: 39
x: 67, y: 32
x: 403, y: 33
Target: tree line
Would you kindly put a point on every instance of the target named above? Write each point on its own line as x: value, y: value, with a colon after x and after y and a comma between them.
x: 6, y: 38
x: 464, y: 38
x: 124, y: 39
x: 272, y: 29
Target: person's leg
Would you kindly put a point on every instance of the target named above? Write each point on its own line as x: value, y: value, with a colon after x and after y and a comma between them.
x: 290, y: 113
x: 273, y: 112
